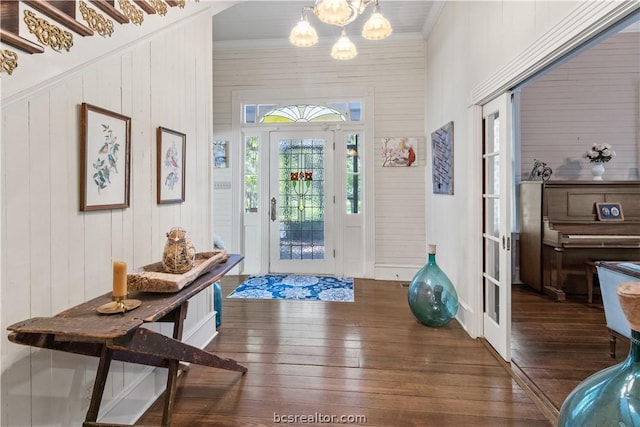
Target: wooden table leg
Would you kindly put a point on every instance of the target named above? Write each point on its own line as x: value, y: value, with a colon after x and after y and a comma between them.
x: 556, y: 282
x: 155, y: 349
x: 172, y: 374
x: 98, y: 385
x: 591, y: 270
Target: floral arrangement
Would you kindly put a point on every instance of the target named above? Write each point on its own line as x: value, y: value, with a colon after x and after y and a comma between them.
x: 600, y: 153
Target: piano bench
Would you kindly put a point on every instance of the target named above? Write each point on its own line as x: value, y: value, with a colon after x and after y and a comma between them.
x: 591, y: 269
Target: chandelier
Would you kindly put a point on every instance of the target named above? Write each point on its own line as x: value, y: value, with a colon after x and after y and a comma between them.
x: 340, y: 13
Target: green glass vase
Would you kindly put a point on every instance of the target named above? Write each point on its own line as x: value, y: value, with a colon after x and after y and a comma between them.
x: 610, y: 397
x: 432, y: 297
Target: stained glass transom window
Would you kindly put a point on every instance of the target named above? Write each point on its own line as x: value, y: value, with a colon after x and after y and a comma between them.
x: 337, y: 111
x: 303, y: 113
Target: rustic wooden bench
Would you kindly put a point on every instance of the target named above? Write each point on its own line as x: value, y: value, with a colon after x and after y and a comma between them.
x: 82, y: 330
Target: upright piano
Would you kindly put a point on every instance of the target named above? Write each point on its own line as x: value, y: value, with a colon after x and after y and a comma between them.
x: 560, y: 231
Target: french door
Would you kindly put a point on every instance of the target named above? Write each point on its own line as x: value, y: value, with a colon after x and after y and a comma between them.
x: 496, y: 233
x: 301, y: 202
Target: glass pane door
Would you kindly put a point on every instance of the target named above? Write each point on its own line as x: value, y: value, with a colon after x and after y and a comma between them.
x: 301, y: 203
x: 497, y: 224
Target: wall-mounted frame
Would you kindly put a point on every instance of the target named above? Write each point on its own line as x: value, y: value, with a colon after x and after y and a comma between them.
x: 442, y: 159
x: 105, y: 146
x: 172, y: 150
x: 220, y: 154
x: 609, y: 212
x: 400, y: 151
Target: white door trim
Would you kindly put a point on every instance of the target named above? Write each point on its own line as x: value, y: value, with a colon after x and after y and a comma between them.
x: 364, y: 268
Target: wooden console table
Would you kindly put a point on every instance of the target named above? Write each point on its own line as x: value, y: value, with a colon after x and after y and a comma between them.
x: 123, y: 337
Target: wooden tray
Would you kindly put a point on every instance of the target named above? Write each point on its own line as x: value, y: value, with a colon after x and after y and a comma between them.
x: 152, y: 277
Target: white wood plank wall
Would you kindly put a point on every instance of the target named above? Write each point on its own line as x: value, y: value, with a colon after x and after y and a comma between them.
x: 56, y: 256
x: 592, y: 98
x: 396, y: 72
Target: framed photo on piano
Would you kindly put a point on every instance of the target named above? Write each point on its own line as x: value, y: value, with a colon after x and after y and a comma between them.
x: 609, y: 212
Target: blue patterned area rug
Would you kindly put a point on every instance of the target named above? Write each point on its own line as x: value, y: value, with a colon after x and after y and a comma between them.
x: 309, y: 288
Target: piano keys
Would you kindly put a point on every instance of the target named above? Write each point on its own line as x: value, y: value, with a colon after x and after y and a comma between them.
x: 560, y: 231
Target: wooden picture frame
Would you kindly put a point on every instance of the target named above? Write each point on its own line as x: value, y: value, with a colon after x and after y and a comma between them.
x: 105, y: 149
x: 172, y: 150
x: 609, y: 212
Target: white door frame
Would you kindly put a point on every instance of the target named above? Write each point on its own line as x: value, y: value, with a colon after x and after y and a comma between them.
x: 365, y: 266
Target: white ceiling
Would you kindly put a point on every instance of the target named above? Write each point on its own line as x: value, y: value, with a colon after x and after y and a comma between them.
x: 263, y: 20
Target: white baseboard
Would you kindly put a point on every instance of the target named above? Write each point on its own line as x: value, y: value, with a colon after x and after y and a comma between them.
x: 133, y: 401
x: 465, y: 318
x: 396, y: 272
x: 203, y: 332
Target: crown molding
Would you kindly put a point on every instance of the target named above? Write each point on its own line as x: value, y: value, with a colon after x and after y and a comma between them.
x: 587, y: 21
x: 325, y: 41
x: 434, y: 14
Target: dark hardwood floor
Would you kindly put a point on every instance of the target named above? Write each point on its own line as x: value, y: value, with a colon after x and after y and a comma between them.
x: 559, y: 344
x: 366, y: 359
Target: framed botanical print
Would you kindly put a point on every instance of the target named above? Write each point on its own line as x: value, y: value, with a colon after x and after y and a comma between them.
x: 171, y: 166
x: 104, y: 159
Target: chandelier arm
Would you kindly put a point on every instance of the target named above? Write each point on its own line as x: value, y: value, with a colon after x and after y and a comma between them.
x: 304, y: 11
x: 361, y: 5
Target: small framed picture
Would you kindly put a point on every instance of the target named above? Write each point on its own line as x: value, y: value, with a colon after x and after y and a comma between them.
x: 442, y: 159
x: 171, y: 165
x: 105, y: 138
x: 220, y: 154
x: 609, y: 212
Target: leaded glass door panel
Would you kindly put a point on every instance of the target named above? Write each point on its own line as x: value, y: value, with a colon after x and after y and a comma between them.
x: 301, y: 202
x: 496, y: 233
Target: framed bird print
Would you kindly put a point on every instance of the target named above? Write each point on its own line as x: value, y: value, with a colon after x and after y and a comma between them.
x: 104, y: 159
x: 171, y: 165
x: 401, y: 151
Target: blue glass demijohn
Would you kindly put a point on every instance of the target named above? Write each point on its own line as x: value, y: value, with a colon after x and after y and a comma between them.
x: 432, y: 298
x: 610, y: 397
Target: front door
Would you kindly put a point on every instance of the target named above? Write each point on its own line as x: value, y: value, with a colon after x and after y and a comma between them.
x: 496, y: 232
x: 301, y: 202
